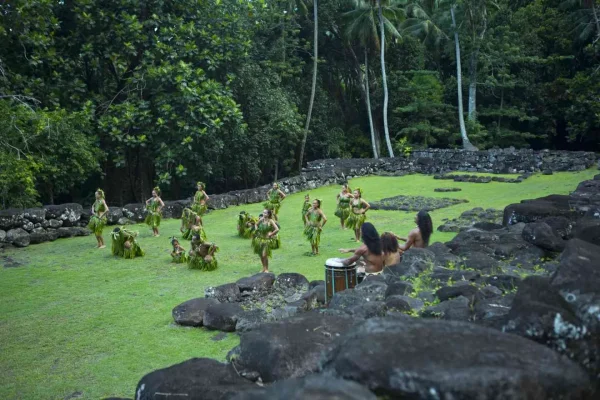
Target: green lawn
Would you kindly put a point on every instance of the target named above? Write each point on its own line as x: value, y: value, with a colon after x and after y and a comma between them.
x: 76, y: 322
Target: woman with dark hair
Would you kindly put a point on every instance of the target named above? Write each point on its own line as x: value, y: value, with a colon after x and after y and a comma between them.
x: 370, y: 251
x: 390, y: 248
x: 274, y: 198
x: 265, y: 238
x: 314, y: 221
x: 154, y: 205
x: 358, y: 211
x: 343, y: 205
x: 419, y: 237
x: 199, y: 206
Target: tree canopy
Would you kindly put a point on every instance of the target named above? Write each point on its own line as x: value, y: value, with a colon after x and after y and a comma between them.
x: 128, y: 94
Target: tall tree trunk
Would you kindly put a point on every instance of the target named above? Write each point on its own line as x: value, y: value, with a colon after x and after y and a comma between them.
x: 472, y: 113
x: 384, y: 78
x: 314, y: 84
x: 366, y: 94
x: 596, y: 20
x: 461, y: 119
x: 368, y: 100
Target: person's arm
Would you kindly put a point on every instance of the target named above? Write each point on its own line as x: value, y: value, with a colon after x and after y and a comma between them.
x: 409, y: 242
x: 206, y: 198
x: 281, y: 194
x: 324, y: 218
x: 364, y: 211
x: 357, y: 255
x: 306, y: 218
x: 161, y: 205
x: 269, y: 194
x: 148, y: 201
x: 347, y: 250
x: 105, y: 209
x: 399, y: 237
x: 274, y: 225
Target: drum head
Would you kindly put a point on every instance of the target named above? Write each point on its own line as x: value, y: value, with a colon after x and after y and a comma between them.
x: 337, y: 263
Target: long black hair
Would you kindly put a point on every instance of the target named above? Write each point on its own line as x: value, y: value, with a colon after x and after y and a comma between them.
x: 370, y: 238
x: 389, y: 243
x: 425, y: 225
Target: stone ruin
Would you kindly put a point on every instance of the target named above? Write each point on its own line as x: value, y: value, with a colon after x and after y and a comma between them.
x: 499, y: 312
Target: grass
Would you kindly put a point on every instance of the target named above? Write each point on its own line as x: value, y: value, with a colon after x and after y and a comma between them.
x: 77, y: 323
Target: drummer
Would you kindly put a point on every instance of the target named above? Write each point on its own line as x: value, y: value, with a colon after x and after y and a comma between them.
x: 370, y: 252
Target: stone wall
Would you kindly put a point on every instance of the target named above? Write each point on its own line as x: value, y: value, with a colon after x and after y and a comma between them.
x: 22, y: 227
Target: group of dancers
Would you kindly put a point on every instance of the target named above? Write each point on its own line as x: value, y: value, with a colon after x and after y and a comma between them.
x: 374, y: 254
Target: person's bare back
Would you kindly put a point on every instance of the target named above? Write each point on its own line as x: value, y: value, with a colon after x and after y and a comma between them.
x: 373, y: 262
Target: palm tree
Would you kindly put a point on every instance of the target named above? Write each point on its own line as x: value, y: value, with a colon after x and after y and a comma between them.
x: 425, y: 19
x: 363, y: 22
x: 314, y: 82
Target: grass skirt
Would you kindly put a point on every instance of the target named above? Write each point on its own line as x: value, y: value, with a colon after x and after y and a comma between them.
x: 179, y: 258
x: 342, y: 212
x: 188, y: 233
x: 153, y: 219
x: 199, y: 209
x: 313, y: 234
x: 355, y: 221
x: 267, y: 245
x: 196, y: 261
x: 96, y: 225
x: 270, y: 205
x: 134, y: 251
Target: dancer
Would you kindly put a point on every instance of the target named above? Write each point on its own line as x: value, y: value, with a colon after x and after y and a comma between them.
x: 246, y: 225
x: 188, y: 217
x: 98, y: 219
x: 314, y: 221
x: 200, y: 205
x: 274, y: 198
x: 305, y: 208
x: 391, y: 249
x: 124, y: 243
x: 343, y: 205
x: 266, y: 239
x: 202, y: 255
x: 154, y: 205
x: 419, y: 236
x: 178, y: 254
x: 370, y: 251
x: 358, y: 210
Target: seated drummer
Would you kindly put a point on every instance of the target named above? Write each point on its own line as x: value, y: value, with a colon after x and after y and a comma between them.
x: 370, y: 251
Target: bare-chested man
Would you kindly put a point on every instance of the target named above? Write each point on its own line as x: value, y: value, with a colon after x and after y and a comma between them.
x: 370, y: 251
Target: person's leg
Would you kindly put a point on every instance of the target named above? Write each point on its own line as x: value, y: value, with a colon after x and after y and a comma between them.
x: 102, y: 245
x: 98, y: 240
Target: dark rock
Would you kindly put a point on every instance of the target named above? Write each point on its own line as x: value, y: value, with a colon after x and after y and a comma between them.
x: 54, y: 223
x: 541, y: 234
x: 222, y: 316
x: 314, y: 284
x: 443, y: 275
x: 114, y: 215
x: 404, y: 303
x: 427, y: 296
x: 320, y: 292
x: 504, y: 282
x: 578, y: 281
x: 427, y: 359
x: 481, y: 262
x: 195, y: 379
x: 135, y: 212
x: 314, y: 387
x: 491, y: 308
x: 290, y: 348
x: 457, y: 309
x: 43, y: 236
x: 174, y: 209
x: 414, y: 261
x: 547, y: 172
x: 487, y: 226
x: 369, y: 309
x: 291, y: 280
x: 445, y: 190
x: 401, y: 288
x: 230, y: 292
x: 18, y: 237
x: 346, y: 300
x: 450, y: 292
x: 2, y: 236
x: 540, y: 313
x: 488, y: 292
x: 11, y: 218
x: 191, y: 313
x: 262, y: 281
x: 69, y: 213
x: 533, y: 210
x: 250, y: 320
x: 372, y: 289
x: 561, y: 226
x: 588, y: 229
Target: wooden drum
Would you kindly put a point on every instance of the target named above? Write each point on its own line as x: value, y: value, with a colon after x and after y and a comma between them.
x: 338, y: 277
